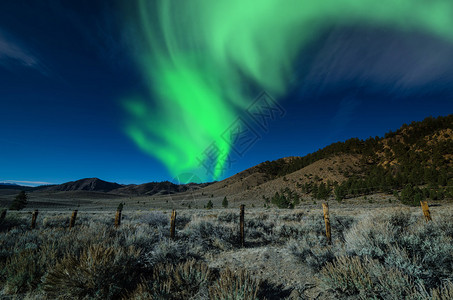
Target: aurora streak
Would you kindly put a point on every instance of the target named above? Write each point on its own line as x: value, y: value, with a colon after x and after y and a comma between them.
x: 204, y: 60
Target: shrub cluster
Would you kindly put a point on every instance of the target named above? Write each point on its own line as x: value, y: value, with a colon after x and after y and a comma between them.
x: 393, y: 255
x: 136, y: 260
x: 388, y: 256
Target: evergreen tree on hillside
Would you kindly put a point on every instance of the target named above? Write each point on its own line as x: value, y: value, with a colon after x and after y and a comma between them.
x: 279, y: 200
x: 19, y: 202
x: 399, y: 146
x: 323, y: 191
x: 340, y: 193
x: 210, y: 205
x: 225, y: 202
x: 409, y: 159
x: 411, y: 195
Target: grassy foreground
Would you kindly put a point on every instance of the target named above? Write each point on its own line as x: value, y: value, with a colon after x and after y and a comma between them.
x: 382, y: 254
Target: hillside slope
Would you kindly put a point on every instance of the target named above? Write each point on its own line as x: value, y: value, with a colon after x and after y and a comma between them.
x: 414, y: 162
x: 418, y: 156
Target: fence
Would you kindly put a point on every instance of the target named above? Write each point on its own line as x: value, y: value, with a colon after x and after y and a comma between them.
x: 117, y: 222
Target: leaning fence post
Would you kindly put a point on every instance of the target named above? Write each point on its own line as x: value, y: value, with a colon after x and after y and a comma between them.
x: 172, y: 224
x: 73, y: 219
x: 325, y: 209
x: 425, y: 209
x: 118, y: 218
x: 34, y: 216
x: 241, y: 225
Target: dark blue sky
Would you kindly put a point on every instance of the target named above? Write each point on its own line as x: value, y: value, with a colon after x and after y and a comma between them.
x: 64, y: 68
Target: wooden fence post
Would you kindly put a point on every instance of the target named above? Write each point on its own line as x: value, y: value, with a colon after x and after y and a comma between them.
x: 241, y: 225
x: 325, y: 209
x: 73, y: 219
x: 118, y: 218
x: 425, y: 209
x: 34, y: 216
x: 172, y: 224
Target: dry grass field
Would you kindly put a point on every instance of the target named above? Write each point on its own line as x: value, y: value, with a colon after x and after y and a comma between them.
x: 379, y: 250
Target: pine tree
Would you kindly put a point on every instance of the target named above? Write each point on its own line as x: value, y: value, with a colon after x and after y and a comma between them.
x: 210, y: 205
x: 225, y: 202
x: 340, y: 193
x: 315, y: 191
x: 19, y: 202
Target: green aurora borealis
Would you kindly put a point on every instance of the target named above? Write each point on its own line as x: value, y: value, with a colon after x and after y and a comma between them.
x: 201, y: 58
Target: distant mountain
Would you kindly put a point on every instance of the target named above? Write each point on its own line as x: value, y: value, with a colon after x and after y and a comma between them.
x: 156, y: 188
x: 417, y: 158
x: 98, y: 185
x: 87, y: 184
x: 13, y: 186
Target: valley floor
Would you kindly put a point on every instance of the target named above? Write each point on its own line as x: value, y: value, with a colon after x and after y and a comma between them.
x: 379, y: 250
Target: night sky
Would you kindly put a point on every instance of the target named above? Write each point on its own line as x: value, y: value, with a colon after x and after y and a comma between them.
x: 101, y: 89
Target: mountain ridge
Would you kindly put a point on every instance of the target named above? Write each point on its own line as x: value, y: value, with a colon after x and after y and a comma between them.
x: 342, y: 169
x: 417, y: 157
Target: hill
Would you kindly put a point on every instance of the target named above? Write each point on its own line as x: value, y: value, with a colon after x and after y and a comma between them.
x: 414, y: 162
x: 13, y: 186
x: 101, y: 186
x: 86, y: 184
x: 156, y: 188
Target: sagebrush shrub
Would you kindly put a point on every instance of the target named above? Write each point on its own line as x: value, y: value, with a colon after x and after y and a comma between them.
x: 204, y: 235
x: 371, y: 238
x: 366, y: 278
x: 55, y: 221
x: 237, y: 285
x: 141, y: 292
x: 313, y: 250
x: 13, y: 220
x: 22, y: 272
x: 445, y: 292
x: 179, y: 281
x: 154, y: 219
x: 228, y: 217
x: 25, y: 259
x: 424, y: 251
x: 99, y: 272
x: 167, y: 250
